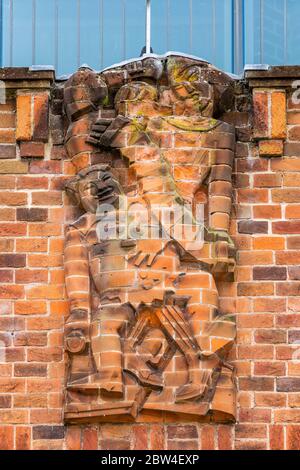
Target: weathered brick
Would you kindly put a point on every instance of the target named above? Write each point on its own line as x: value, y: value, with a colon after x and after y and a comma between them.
x: 32, y: 307
x: 255, y: 289
x: 251, y: 431
x: 5, y: 401
x: 23, y: 438
x: 276, y: 437
x: 32, y: 149
x: 73, y: 438
x: 32, y: 215
x: 90, y: 439
x: 24, y: 117
x: 251, y: 227
x: 263, y: 384
x: 12, y: 260
x: 270, y: 336
x: 269, y: 368
x: 272, y: 273
x: 41, y: 117
x: 293, y: 437
x: 30, y: 370
x: 48, y: 432
x: 288, y: 384
x: 182, y: 432
x: 261, y: 114
x: 286, y: 227
x: 13, y: 167
x: 278, y: 115
x: 7, y: 151
x: 271, y: 148
x: 6, y: 438
x: 267, y: 180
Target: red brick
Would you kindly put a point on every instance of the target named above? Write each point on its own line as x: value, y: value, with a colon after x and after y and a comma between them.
x: 253, y: 289
x: 276, y: 437
x: 270, y: 336
x: 251, y: 431
x: 49, y: 198
x: 32, y: 182
x: 278, y: 115
x: 24, y: 117
x: 208, y: 438
x: 11, y: 292
x: 7, y: 198
x: 73, y: 438
x: 157, y: 437
x: 225, y: 438
x: 32, y: 150
x: 293, y: 437
x: 255, y: 415
x: 274, y: 273
x: 288, y: 384
x: 271, y: 148
x: 23, y: 438
x: 140, y: 437
x: 275, y: 369
x: 267, y: 180
x: 262, y: 384
x: 89, y: 439
x: 6, y: 438
x: 261, y: 114
x: 253, y: 196
x: 7, y: 151
x: 40, y: 117
x: 252, y: 227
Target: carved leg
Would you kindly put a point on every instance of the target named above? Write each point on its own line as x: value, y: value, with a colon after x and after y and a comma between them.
x: 210, y: 333
x: 138, y: 357
x: 106, y: 339
x: 179, y: 331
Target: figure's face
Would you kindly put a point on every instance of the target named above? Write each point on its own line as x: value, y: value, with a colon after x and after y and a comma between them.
x: 96, y: 191
x: 109, y: 189
x: 188, y: 85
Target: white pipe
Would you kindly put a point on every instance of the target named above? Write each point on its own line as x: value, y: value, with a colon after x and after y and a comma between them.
x: 148, y: 27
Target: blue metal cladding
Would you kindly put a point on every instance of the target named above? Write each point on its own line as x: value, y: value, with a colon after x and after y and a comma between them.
x: 68, y: 33
x: 272, y: 33
x: 200, y: 27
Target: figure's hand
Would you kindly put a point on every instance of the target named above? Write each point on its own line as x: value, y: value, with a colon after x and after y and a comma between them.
x: 98, y: 129
x: 105, y: 130
x: 77, y: 332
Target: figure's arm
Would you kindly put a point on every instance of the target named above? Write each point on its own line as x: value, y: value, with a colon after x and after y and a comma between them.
x: 84, y: 94
x: 104, y: 131
x: 78, y: 291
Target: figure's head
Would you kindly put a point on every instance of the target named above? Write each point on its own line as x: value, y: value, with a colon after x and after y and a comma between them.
x: 94, y: 186
x: 187, y: 81
x: 134, y: 93
x: 146, y: 68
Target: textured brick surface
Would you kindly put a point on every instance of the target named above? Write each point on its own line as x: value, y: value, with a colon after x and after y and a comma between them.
x: 265, y: 296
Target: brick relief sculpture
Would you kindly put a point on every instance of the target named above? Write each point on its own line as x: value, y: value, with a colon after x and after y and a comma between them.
x: 146, y: 335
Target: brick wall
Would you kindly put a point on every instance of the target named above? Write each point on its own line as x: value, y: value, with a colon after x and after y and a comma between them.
x: 265, y: 296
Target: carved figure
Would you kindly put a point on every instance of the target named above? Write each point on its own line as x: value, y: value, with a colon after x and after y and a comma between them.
x: 145, y: 331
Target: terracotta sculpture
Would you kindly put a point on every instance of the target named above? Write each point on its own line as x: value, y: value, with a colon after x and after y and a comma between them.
x: 146, y: 333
